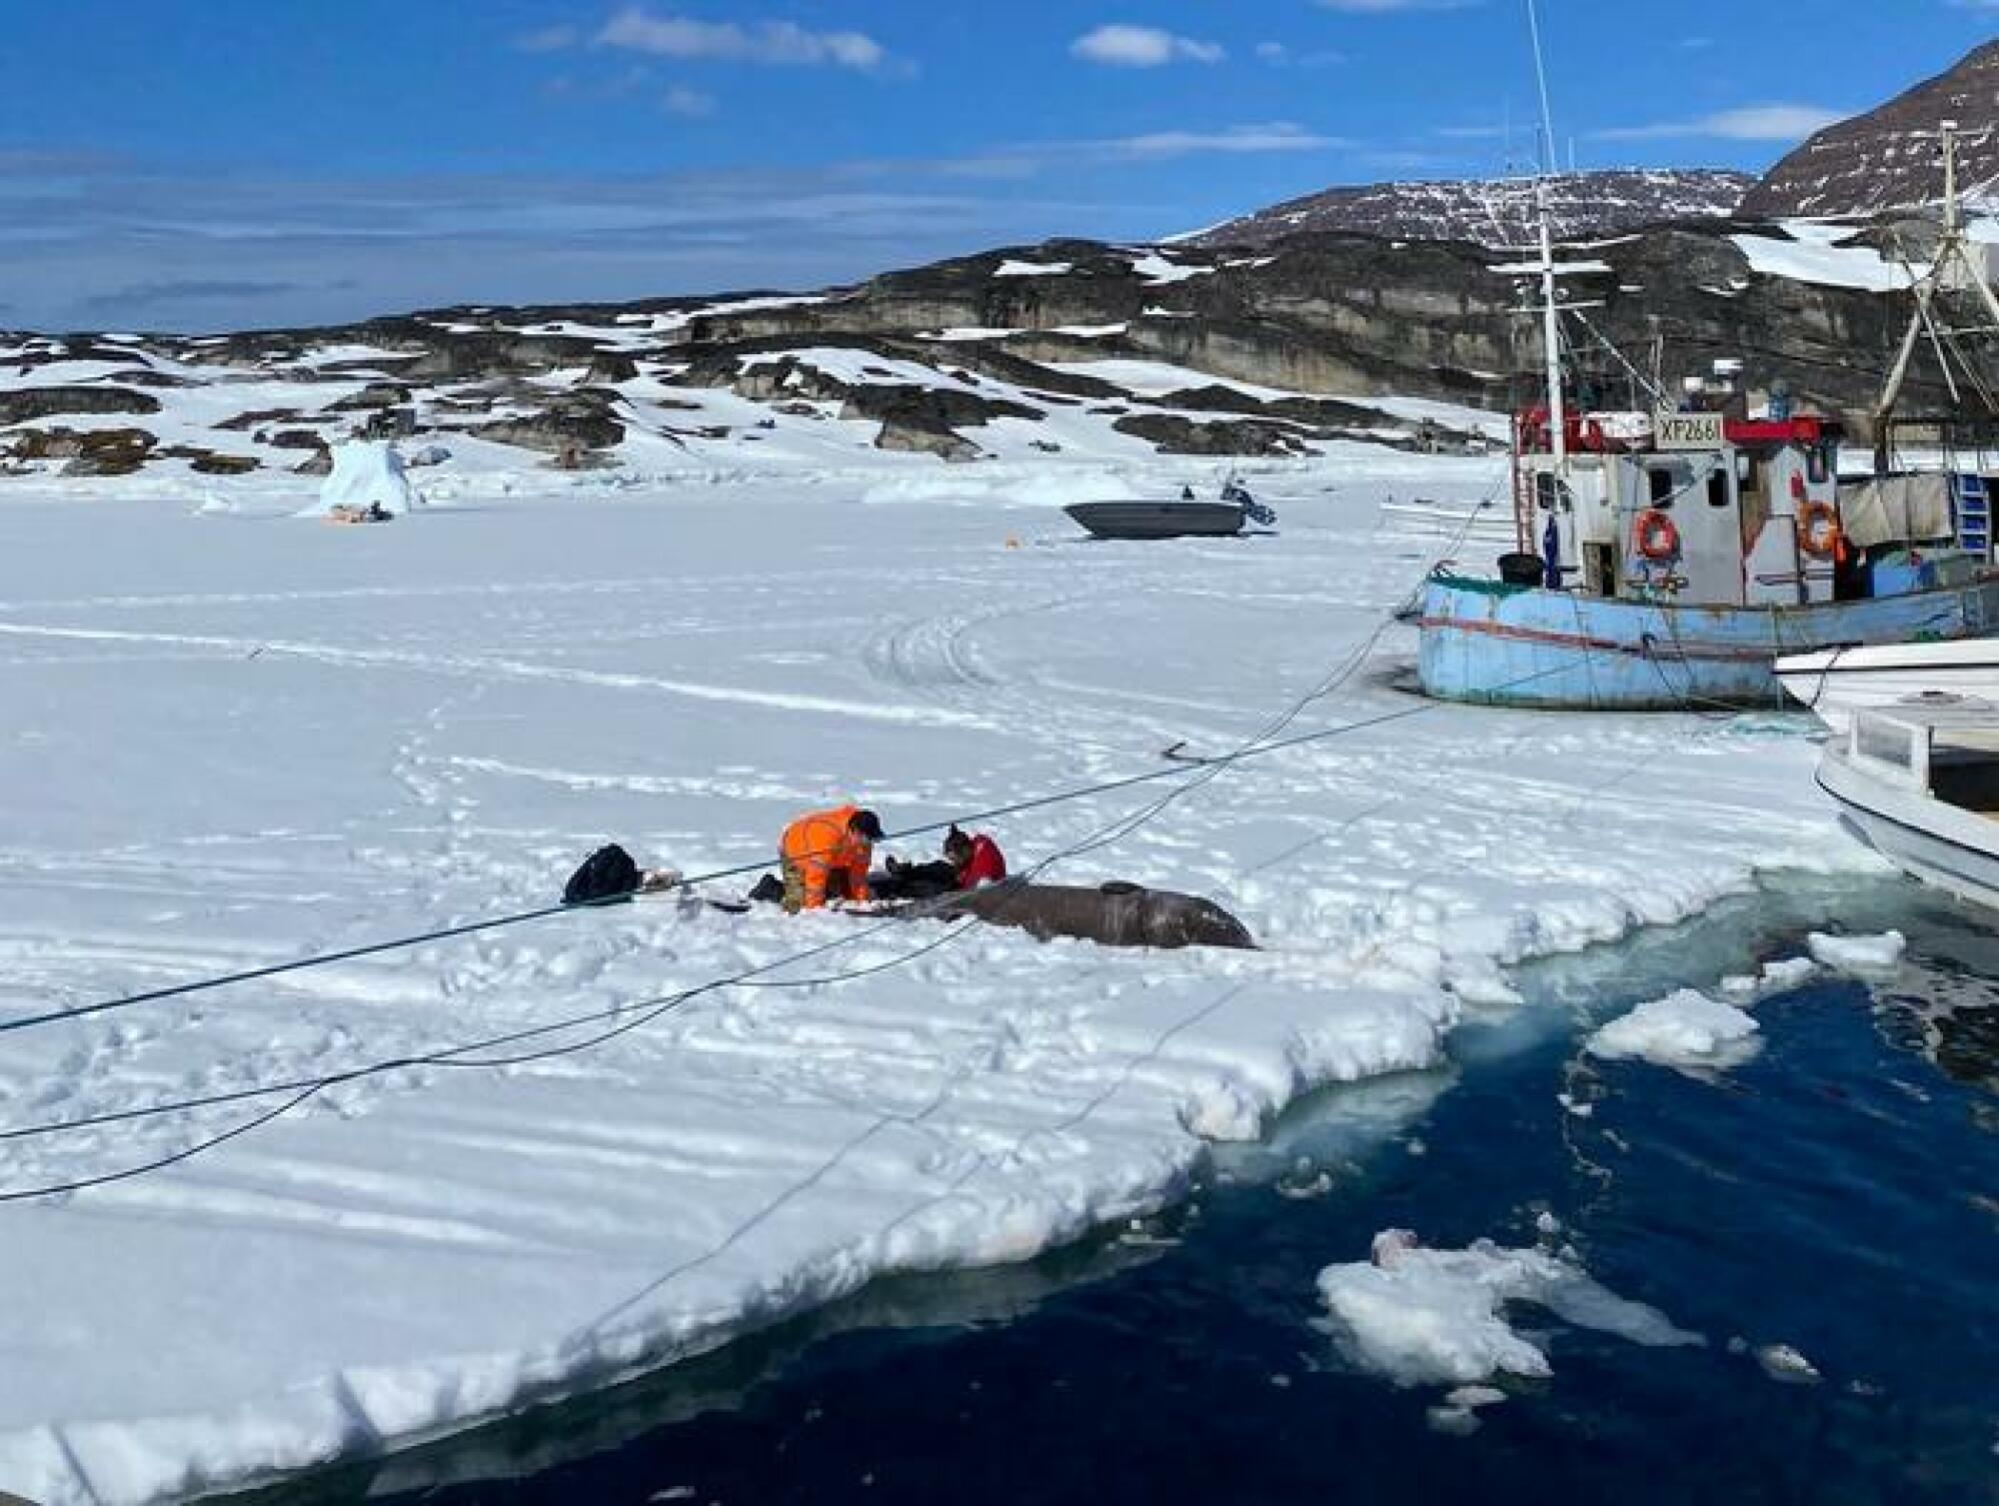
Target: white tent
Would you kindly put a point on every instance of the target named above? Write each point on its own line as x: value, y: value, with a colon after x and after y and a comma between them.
x: 365, y: 473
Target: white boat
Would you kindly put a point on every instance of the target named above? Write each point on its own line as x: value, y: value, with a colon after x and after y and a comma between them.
x: 1920, y: 785
x: 1838, y: 682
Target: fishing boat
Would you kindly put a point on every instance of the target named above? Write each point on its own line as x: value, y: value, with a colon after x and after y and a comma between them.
x: 1184, y: 517
x: 1836, y: 683
x: 1920, y: 785
x: 1667, y: 555
x: 1681, y: 556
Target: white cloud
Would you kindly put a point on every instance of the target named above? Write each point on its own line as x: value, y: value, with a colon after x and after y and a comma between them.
x: 1279, y: 136
x: 1277, y: 55
x: 1750, y: 123
x: 783, y: 43
x: 1120, y: 46
x: 691, y: 103
x: 1390, y: 7
x: 548, y: 39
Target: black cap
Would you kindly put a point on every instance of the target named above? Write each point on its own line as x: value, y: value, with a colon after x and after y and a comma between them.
x: 866, y: 824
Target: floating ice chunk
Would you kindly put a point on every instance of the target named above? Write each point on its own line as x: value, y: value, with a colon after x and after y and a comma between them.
x: 1775, y: 978
x: 1858, y: 954
x: 1683, y: 1030
x: 1459, y: 1422
x: 1782, y: 1362
x: 1458, y: 1413
x: 1434, y: 1317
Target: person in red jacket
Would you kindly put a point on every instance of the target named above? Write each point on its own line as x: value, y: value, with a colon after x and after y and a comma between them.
x: 974, y: 859
x: 968, y: 862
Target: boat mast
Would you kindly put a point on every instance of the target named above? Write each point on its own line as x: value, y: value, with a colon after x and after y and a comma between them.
x: 1551, y: 331
x: 1952, y: 259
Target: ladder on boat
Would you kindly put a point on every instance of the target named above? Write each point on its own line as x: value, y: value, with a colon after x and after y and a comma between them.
x: 1971, y: 501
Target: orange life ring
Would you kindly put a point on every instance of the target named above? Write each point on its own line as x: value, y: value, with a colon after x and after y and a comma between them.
x: 1818, y: 529
x: 1655, y: 536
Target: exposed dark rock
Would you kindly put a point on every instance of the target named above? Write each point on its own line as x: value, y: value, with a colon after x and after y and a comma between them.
x: 110, y: 452
x: 926, y: 441
x: 147, y: 376
x: 1172, y: 434
x: 26, y: 403
x: 1888, y: 158
x: 40, y: 444
x: 209, y: 463
x: 374, y: 395
x: 318, y: 464
x: 579, y: 420
x: 246, y: 421
x: 293, y: 439
x: 389, y: 423
x: 934, y: 408
x: 611, y: 367
x: 451, y: 356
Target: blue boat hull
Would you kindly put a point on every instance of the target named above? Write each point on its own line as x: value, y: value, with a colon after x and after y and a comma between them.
x: 1494, y: 644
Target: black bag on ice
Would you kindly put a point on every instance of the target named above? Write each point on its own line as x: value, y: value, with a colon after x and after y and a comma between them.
x: 608, y: 873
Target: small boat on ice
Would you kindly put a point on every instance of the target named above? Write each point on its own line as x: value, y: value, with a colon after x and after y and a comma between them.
x: 1186, y: 517
x: 1920, y: 785
x: 1838, y: 682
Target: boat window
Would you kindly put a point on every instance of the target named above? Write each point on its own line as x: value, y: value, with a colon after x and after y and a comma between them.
x: 1717, y: 487
x: 1885, y: 742
x: 1660, y: 479
x: 1550, y: 489
x: 1748, y: 471
x: 1819, y: 460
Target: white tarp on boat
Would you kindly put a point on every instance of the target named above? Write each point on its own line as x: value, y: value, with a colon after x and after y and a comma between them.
x: 1890, y: 509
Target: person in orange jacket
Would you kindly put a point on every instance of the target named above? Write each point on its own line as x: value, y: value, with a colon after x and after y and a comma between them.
x: 825, y: 855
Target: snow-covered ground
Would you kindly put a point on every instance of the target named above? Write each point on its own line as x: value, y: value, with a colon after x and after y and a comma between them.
x: 236, y: 737
x: 1821, y: 253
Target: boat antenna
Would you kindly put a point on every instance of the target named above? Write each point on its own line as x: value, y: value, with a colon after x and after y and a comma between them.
x: 1551, y: 330
x: 1541, y: 80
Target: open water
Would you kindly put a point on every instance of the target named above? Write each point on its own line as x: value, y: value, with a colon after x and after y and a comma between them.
x: 1838, y: 1194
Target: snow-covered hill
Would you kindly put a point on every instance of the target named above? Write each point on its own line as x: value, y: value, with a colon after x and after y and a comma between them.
x: 1887, y: 159
x: 693, y: 386
x: 1497, y: 212
x: 1072, y: 349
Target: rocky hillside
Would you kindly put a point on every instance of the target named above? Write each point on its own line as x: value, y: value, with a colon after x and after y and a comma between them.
x: 1070, y: 346
x: 1887, y: 158
x: 1496, y: 212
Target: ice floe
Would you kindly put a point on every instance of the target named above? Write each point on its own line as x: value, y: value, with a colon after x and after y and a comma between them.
x: 1684, y: 1030
x: 1439, y: 1317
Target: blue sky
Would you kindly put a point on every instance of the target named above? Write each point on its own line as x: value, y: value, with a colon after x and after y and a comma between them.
x: 207, y: 164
